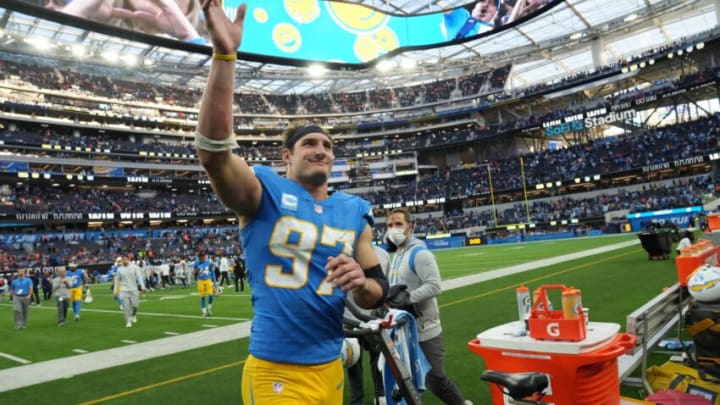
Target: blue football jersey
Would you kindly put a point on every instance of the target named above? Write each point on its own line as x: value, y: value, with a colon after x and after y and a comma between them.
x: 297, y: 315
x: 204, y: 269
x: 77, y: 276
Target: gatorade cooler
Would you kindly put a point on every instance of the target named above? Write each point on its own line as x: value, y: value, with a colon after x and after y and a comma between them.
x: 581, y: 373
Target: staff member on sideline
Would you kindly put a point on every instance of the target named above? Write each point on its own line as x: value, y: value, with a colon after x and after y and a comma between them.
x: 125, y: 285
x: 21, y: 289
x: 305, y: 248
x: 414, y: 279
x: 61, y: 286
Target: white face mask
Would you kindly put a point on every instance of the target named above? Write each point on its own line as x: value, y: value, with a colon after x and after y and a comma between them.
x: 396, y: 236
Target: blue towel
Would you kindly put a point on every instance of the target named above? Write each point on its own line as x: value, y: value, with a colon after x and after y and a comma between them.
x: 407, y: 345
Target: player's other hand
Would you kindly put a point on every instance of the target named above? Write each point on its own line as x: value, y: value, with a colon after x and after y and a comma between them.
x: 344, y: 272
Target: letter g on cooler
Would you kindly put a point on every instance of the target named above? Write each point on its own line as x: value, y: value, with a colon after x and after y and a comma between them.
x: 553, y: 329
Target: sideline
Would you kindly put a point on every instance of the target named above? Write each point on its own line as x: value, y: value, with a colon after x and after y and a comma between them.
x: 66, y: 367
x: 36, y: 373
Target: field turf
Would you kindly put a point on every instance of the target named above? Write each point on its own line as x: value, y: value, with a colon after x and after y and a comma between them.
x: 613, y: 284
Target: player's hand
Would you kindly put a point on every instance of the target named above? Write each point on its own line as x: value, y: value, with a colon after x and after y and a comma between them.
x: 344, y: 272
x: 226, y: 35
x: 97, y: 10
x: 166, y: 16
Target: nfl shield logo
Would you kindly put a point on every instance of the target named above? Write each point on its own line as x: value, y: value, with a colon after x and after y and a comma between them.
x: 277, y: 387
x: 318, y: 209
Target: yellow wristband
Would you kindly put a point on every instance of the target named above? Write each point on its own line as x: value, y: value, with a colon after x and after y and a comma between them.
x: 225, y: 56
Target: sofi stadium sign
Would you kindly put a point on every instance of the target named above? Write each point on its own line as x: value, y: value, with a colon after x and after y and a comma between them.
x: 586, y: 120
x: 614, y: 116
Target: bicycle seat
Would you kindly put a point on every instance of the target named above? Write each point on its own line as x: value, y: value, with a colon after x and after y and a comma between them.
x: 518, y: 385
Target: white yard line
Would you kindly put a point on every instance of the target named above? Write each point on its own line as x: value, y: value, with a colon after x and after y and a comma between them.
x: 15, y: 358
x: 66, y: 367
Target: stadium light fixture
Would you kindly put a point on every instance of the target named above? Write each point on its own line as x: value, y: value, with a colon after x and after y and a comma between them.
x: 78, y: 50
x: 130, y: 60
x: 651, y: 62
x: 316, y: 70
x: 680, y: 52
x: 631, y: 17
x: 385, y: 65
x: 642, y: 64
x: 689, y: 49
x: 624, y: 69
x: 700, y: 45
x: 408, y: 64
x: 40, y: 44
x: 633, y: 67
x: 110, y: 56
x: 670, y: 55
x: 576, y: 35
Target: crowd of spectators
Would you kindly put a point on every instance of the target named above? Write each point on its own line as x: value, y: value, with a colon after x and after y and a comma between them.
x: 173, y: 147
x: 94, y: 248
x: 605, y: 157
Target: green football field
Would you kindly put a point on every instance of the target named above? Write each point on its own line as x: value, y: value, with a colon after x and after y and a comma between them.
x: 613, y: 284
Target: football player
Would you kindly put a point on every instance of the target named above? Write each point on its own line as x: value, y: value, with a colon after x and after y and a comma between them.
x: 206, y: 282
x: 80, y: 282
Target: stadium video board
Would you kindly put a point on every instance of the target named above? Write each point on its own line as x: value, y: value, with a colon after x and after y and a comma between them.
x: 306, y: 30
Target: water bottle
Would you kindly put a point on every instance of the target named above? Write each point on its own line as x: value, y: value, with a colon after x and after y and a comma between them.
x: 538, y: 294
x: 523, y: 304
x: 571, y: 303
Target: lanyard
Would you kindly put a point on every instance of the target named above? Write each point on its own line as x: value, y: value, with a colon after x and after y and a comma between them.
x: 398, y: 257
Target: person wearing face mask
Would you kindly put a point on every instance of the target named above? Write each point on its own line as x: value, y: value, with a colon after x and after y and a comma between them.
x: 414, y: 279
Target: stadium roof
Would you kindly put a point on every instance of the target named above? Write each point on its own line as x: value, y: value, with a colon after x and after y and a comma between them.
x: 550, y: 46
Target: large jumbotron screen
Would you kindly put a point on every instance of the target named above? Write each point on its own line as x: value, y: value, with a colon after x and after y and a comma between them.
x: 309, y: 30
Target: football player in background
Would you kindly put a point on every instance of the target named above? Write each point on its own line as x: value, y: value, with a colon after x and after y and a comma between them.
x: 305, y: 248
x: 80, y: 282
x: 206, y: 282
x: 113, y: 271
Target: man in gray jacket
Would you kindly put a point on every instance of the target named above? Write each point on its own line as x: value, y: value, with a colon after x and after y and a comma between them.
x: 129, y: 280
x: 414, y: 279
x: 61, y: 286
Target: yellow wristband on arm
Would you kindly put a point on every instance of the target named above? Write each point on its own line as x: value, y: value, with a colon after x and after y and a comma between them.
x: 225, y: 56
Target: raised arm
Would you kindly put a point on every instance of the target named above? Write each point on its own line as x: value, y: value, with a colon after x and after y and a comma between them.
x: 232, y: 179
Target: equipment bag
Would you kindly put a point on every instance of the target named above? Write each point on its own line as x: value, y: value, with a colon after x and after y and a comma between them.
x: 702, y: 321
x: 678, y: 377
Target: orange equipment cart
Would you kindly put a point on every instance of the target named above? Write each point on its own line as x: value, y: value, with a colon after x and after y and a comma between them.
x: 581, y: 373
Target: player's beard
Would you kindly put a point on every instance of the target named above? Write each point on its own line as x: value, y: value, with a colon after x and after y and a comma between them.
x: 317, y: 179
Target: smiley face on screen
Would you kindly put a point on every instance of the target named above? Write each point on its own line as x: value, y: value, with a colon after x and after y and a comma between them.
x: 385, y: 39
x: 260, y: 15
x: 286, y: 37
x: 355, y: 18
x: 365, y: 48
x: 302, y: 11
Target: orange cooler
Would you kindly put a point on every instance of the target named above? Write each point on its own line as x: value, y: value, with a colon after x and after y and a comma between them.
x: 713, y: 222
x: 685, y: 265
x: 581, y: 373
